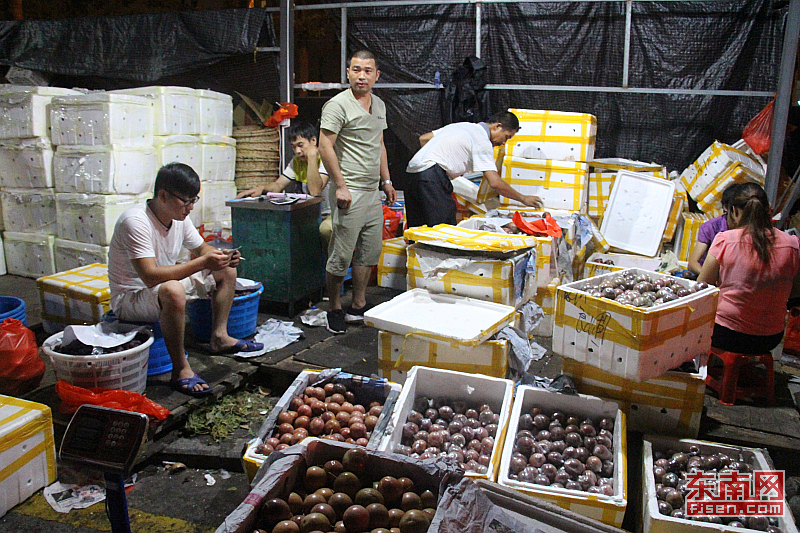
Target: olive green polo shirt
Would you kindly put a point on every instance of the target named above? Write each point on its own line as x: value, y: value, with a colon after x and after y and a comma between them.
x: 358, y: 141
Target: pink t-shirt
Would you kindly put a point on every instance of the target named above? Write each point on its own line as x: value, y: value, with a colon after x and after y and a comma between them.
x: 752, y: 295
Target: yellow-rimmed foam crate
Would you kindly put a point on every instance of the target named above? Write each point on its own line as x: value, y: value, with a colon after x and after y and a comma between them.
x: 27, y: 450
x: 474, y: 389
x: 617, y: 163
x: 397, y: 354
x: 553, y: 135
x: 655, y: 522
x: 671, y: 403
x: 598, y: 263
x: 680, y: 203
x: 713, y: 163
x: 546, y: 299
x: 506, y: 278
x: 632, y: 342
x: 710, y: 199
x: 77, y: 296
x: 607, y: 509
x: 364, y: 388
x: 560, y: 184
x: 686, y: 234
x: 392, y: 269
x: 600, y: 184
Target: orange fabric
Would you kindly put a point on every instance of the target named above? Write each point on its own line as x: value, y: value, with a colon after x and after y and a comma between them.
x: 545, y: 226
x: 286, y: 110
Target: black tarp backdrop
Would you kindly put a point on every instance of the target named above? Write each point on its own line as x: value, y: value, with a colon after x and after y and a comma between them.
x: 204, y: 50
x: 725, y: 45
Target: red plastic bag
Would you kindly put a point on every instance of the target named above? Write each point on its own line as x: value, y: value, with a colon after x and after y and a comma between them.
x: 73, y: 397
x: 758, y: 131
x: 791, y: 339
x: 286, y: 110
x: 21, y: 368
x: 543, y: 227
x: 391, y: 222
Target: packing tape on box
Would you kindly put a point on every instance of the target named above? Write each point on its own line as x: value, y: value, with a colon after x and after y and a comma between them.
x: 497, y: 282
x: 691, y: 225
x: 710, y: 200
x: 679, y: 203
x: 585, y: 138
x: 470, y: 239
x: 632, y: 166
x: 554, y: 175
x: 44, y: 424
x: 692, y: 174
x: 600, y: 184
x: 85, y: 284
x: 596, y: 318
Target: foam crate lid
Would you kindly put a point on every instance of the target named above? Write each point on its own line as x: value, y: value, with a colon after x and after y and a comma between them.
x: 626, y: 261
x: 217, y: 139
x: 441, y: 316
x: 102, y: 98
x: 158, y: 90
x: 40, y: 143
x: 6, y: 90
x: 205, y: 93
x: 637, y: 212
x: 167, y: 140
x: 80, y: 149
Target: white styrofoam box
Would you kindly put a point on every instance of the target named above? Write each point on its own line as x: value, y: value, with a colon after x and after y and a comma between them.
x: 23, y: 110
x: 475, y: 389
x: 27, y: 450
x: 618, y: 163
x: 441, y: 316
x: 397, y: 354
x: 178, y: 149
x: 90, y: 218
x: 101, y: 119
x: 113, y: 169
x: 607, y: 509
x: 553, y: 135
x: 546, y: 299
x: 669, y: 404
x: 215, y: 113
x: 686, y: 234
x: 560, y: 184
x: 75, y: 296
x: 26, y: 163
x: 29, y: 254
x: 637, y: 213
x: 24, y: 76
x: 174, y: 108
x: 714, y: 162
x: 508, y: 279
x: 73, y: 254
x: 598, y: 263
x: 29, y: 210
x: 655, y: 522
x: 392, y: 264
x: 217, y: 158
x: 213, y: 195
x: 3, y: 270
x: 632, y: 342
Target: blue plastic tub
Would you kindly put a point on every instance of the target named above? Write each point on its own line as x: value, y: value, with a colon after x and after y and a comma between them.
x: 242, y: 321
x: 11, y: 307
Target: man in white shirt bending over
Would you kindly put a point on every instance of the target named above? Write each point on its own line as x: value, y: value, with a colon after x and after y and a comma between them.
x: 449, y: 152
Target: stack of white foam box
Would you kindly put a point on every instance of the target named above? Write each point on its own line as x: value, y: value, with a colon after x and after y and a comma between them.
x: 26, y: 179
x: 194, y: 127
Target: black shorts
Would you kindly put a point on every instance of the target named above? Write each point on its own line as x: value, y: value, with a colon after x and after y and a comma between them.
x: 429, y: 198
x: 733, y: 341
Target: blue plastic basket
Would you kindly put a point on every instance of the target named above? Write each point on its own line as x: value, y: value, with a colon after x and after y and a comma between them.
x: 11, y: 307
x: 242, y: 321
x: 159, y: 361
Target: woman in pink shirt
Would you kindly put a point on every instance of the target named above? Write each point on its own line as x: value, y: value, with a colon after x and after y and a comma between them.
x: 754, y: 266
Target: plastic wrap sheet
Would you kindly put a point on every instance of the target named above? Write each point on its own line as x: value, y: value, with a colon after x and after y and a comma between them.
x: 732, y: 45
x: 135, y: 47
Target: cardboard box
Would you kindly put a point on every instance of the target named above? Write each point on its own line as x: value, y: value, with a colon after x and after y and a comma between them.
x: 77, y: 296
x: 713, y: 163
x: 217, y: 158
x: 508, y: 279
x: 215, y: 113
x: 392, y: 269
x: 26, y: 163
x: 655, y: 522
x: 101, y: 118
x: 29, y: 254
x: 475, y: 389
x: 680, y: 203
x: 174, y: 108
x: 632, y: 342
x: 397, y: 354
x: 73, y: 254
x: 178, y: 149
x: 23, y: 110
x: 112, y: 169
x: 29, y: 210
x: 560, y: 184
x: 607, y: 509
x: 546, y: 298
x: 597, y: 263
x: 27, y: 450
x: 553, y: 135
x: 366, y: 390
x: 670, y: 404
x: 686, y: 234
x: 90, y: 218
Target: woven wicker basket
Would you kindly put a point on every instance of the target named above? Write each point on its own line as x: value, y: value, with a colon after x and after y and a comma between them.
x: 255, y: 131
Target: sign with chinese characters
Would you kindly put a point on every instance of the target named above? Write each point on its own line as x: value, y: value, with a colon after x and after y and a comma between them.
x: 759, y: 493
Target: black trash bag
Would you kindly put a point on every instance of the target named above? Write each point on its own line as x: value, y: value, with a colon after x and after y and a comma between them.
x: 465, y: 97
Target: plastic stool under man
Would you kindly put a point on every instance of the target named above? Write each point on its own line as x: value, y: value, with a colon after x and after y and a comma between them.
x: 738, y: 367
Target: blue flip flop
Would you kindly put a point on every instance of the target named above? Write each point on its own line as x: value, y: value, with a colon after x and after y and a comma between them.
x: 241, y: 346
x: 186, y: 386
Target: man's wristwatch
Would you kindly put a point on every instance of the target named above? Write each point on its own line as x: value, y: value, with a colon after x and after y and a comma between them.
x: 387, y: 182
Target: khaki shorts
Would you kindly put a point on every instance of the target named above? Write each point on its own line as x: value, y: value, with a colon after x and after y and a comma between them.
x: 357, y: 232
x: 143, y: 305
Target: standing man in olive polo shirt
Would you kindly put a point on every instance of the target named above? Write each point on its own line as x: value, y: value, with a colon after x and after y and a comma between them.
x: 352, y: 150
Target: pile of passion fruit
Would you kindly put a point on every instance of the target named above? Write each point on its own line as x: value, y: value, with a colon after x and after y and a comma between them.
x: 641, y: 289
x: 339, y: 496
x: 669, y: 473
x: 451, y: 428
x: 564, y: 451
x: 329, y: 412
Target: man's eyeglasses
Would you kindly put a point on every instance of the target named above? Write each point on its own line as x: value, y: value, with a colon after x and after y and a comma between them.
x: 186, y: 203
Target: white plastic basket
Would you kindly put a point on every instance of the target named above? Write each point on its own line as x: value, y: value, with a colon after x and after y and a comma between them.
x: 126, y: 370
